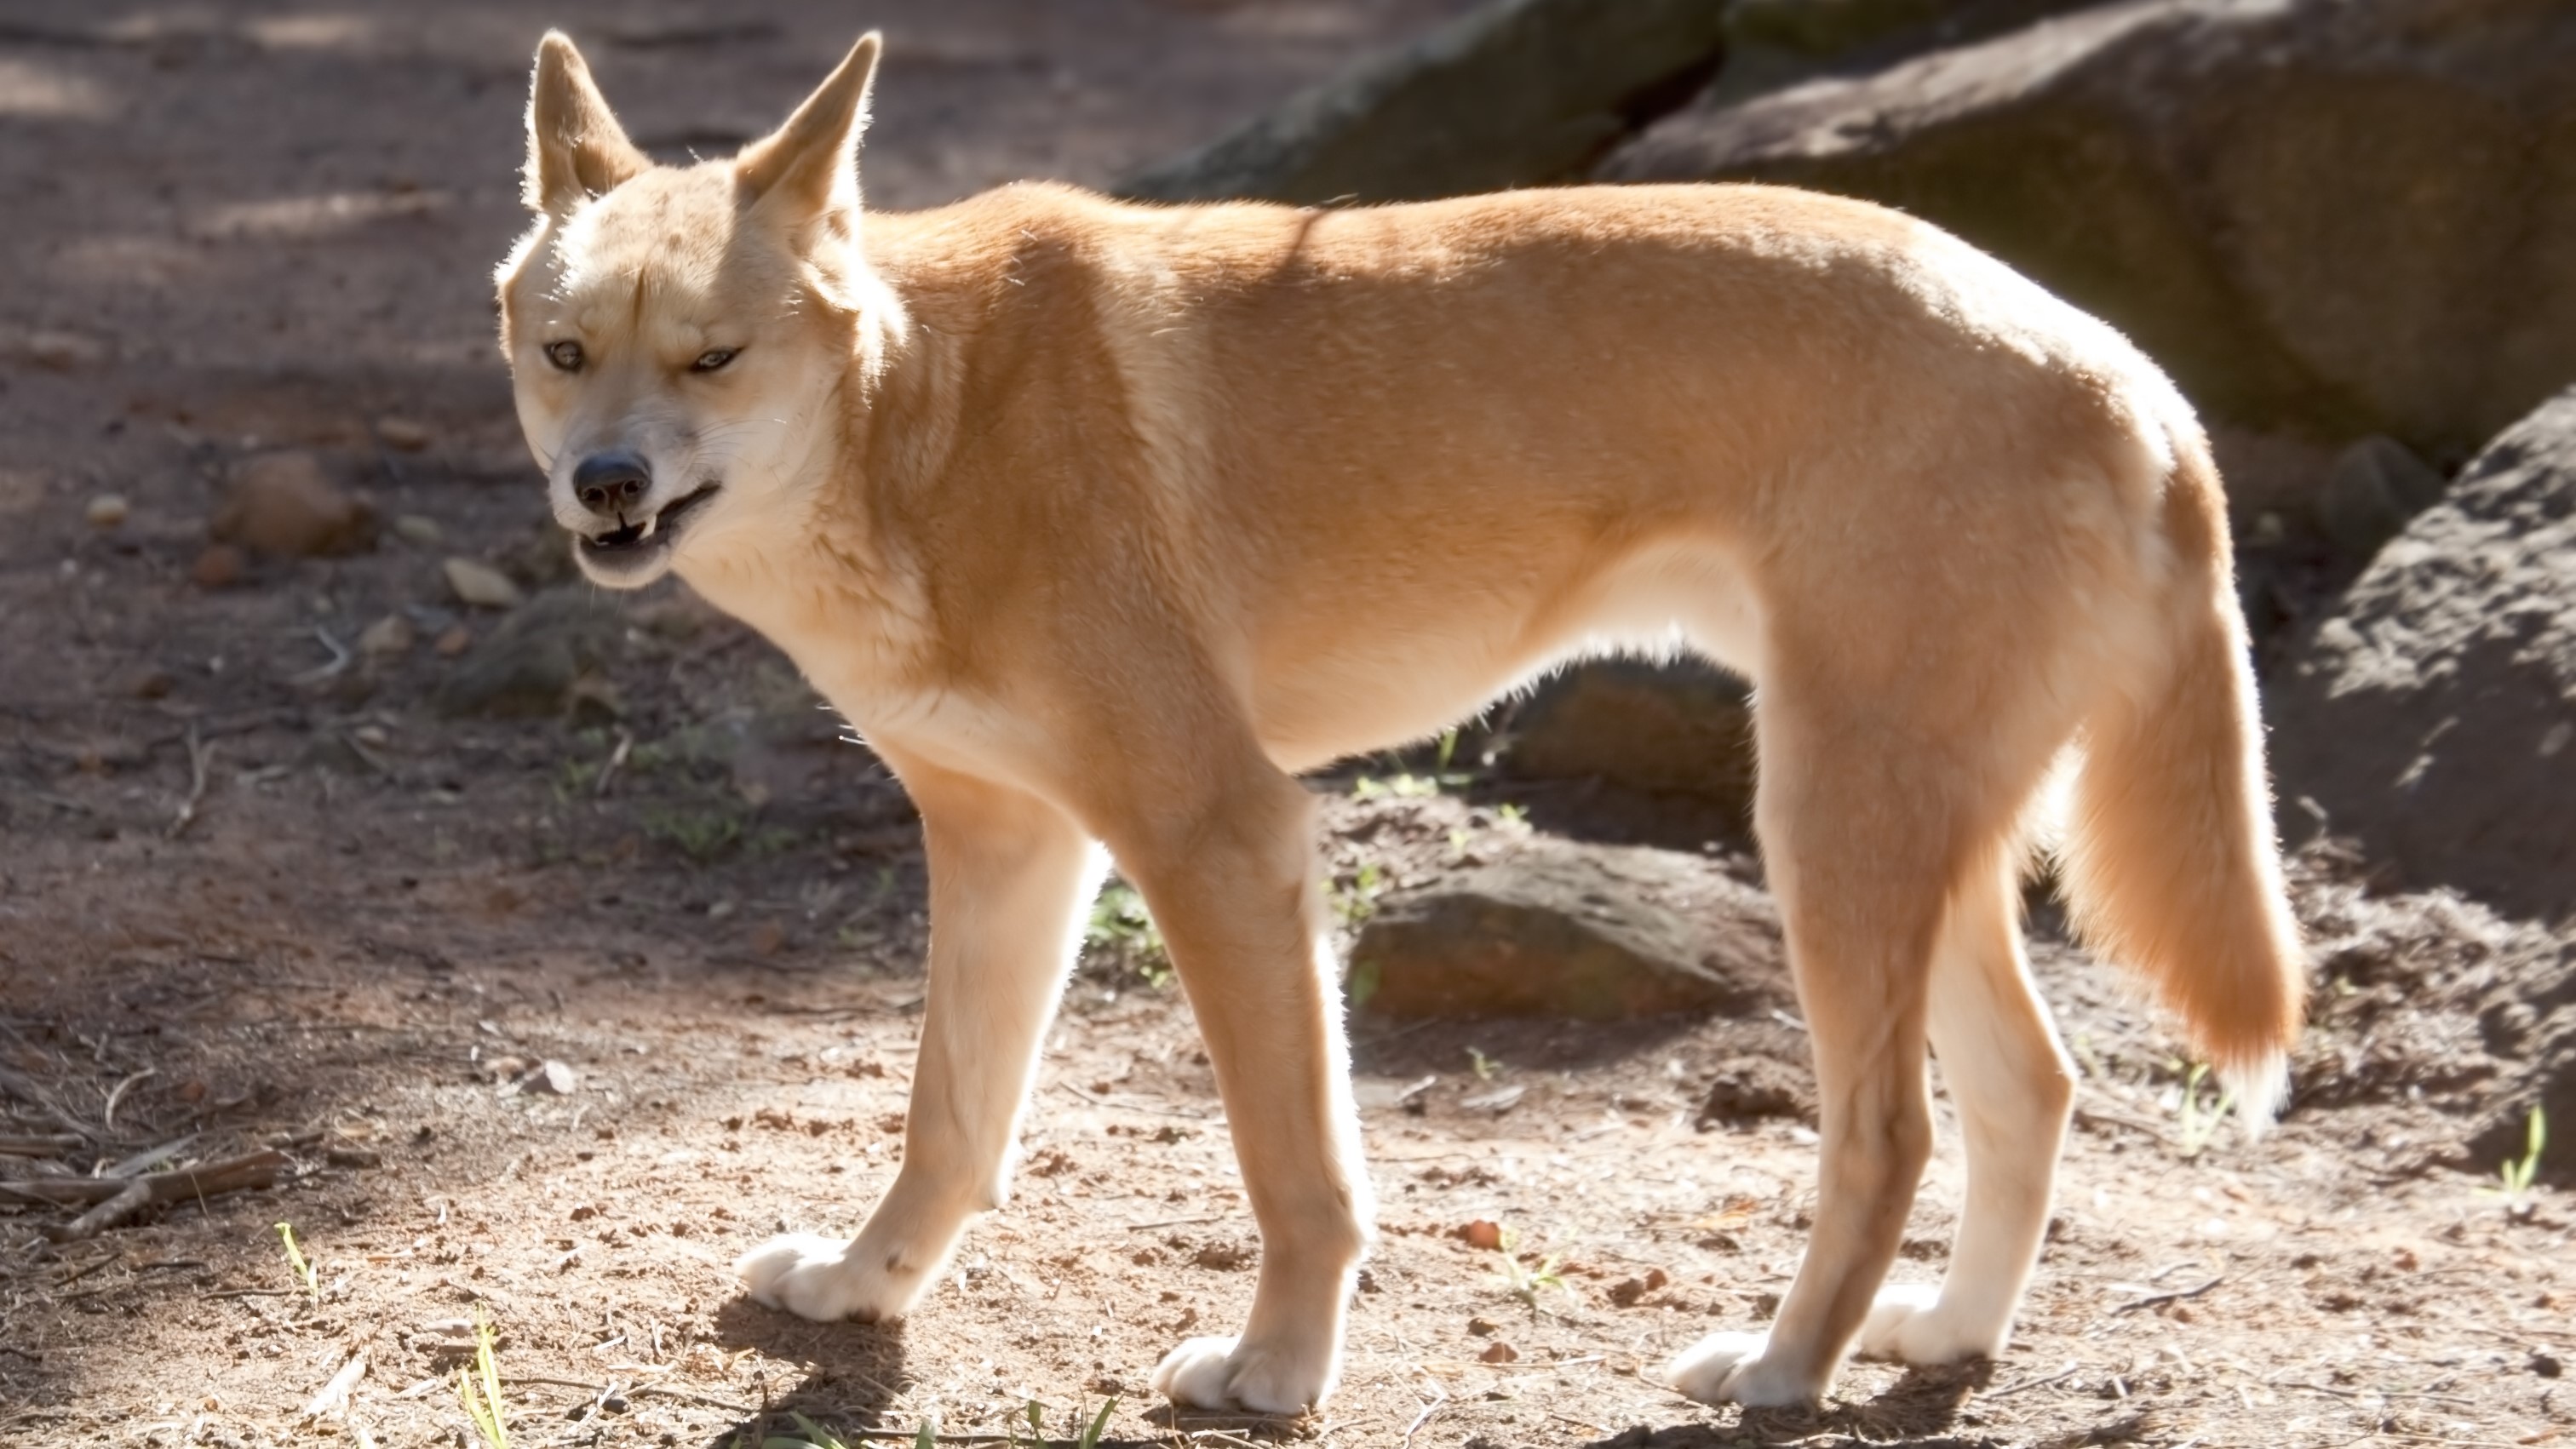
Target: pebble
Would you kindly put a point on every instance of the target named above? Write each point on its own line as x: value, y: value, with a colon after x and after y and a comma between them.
x: 481, y: 585
x: 390, y: 635
x: 107, y: 510
x: 454, y: 641
x: 414, y: 528
x: 63, y: 351
x: 552, y: 1077
x: 220, y: 567
x: 402, y: 434
x: 281, y: 503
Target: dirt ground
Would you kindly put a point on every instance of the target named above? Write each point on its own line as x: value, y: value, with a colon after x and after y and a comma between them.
x: 549, y: 1018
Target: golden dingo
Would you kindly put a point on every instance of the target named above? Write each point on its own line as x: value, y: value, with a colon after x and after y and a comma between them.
x: 1102, y: 522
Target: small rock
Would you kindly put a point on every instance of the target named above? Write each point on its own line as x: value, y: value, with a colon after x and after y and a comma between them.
x: 388, y: 636
x: 482, y: 586
x: 1483, y: 1234
x: 1483, y: 1327
x: 402, y: 434
x: 2546, y: 1365
x: 554, y: 1077
x: 1628, y: 1292
x: 107, y: 510
x: 414, y: 528
x: 1750, y: 1089
x: 1499, y: 1352
x: 454, y: 640
x: 64, y: 351
x: 150, y: 682
x: 2376, y: 485
x: 767, y: 937
x: 532, y: 664
x: 220, y: 567
x: 281, y: 503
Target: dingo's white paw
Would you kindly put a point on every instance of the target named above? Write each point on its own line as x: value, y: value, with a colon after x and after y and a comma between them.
x: 1906, y: 1324
x: 827, y: 1279
x: 1217, y: 1373
x: 1729, y: 1368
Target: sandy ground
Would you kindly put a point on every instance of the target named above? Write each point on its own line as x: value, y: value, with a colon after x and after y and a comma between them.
x: 254, y: 897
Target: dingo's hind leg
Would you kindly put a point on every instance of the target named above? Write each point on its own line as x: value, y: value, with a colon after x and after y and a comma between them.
x: 2009, y: 1079
x: 1008, y: 877
x: 1858, y: 834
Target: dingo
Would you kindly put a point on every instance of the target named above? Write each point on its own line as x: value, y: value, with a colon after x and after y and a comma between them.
x: 1103, y: 521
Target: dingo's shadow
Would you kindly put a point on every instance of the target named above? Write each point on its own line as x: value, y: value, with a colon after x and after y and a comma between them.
x: 853, y: 1372
x: 1912, y: 1413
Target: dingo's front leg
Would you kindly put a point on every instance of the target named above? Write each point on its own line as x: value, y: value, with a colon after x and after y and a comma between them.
x: 1008, y: 876
x: 1233, y: 882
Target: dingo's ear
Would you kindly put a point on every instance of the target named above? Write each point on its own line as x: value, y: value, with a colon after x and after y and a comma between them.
x: 810, y: 166
x: 576, y: 149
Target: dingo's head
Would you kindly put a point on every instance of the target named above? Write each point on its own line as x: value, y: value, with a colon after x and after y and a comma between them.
x: 678, y: 337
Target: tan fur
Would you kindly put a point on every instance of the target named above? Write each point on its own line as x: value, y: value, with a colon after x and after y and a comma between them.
x: 1102, y: 522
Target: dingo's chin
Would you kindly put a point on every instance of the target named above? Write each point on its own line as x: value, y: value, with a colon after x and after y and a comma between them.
x: 632, y: 555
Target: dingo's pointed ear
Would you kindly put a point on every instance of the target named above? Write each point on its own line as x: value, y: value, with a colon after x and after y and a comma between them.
x: 576, y: 149
x: 811, y: 165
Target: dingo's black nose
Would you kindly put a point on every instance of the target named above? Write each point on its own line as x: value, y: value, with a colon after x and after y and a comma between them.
x: 611, y: 484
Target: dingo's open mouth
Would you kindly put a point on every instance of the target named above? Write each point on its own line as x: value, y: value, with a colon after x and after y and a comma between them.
x: 654, y: 534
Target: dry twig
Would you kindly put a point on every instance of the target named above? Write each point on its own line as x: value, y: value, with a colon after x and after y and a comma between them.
x: 119, y: 1200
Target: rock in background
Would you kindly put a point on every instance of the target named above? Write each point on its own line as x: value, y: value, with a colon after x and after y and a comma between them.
x: 1589, y: 932
x: 2432, y: 716
x: 2330, y: 217
x: 1518, y: 93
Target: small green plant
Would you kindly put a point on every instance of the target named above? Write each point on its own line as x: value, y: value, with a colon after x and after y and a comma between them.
x: 1512, y: 817
x: 815, y: 1436
x: 1403, y: 786
x: 1448, y: 750
x: 295, y: 1259
x: 702, y: 834
x: 1356, y: 902
x: 479, y: 1388
x: 1523, y: 1281
x: 1122, y: 926
x: 927, y: 1436
x: 2195, y: 1124
x: 1485, y: 1067
x: 2518, y: 1173
x: 1098, y: 1426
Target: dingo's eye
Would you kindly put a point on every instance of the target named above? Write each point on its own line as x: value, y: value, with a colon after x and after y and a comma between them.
x: 564, y: 355
x: 714, y: 358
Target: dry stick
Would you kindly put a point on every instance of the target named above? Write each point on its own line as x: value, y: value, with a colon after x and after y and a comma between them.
x: 2152, y: 1299
x: 199, y: 754
x: 107, y: 1118
x: 2067, y: 1372
x: 123, y: 1200
x: 53, y: 1144
x: 1423, y: 1418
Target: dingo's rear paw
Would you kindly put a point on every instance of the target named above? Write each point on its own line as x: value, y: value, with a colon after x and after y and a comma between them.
x: 828, y: 1279
x: 1217, y: 1373
x: 1906, y: 1324
x: 1729, y: 1368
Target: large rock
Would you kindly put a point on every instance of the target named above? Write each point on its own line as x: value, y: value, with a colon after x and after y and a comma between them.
x: 2321, y: 215
x: 1595, y: 933
x: 2433, y: 714
x: 1684, y: 728
x: 531, y: 664
x: 1518, y: 93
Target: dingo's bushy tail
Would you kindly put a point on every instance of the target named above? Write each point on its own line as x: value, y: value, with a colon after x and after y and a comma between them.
x: 2171, y: 864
